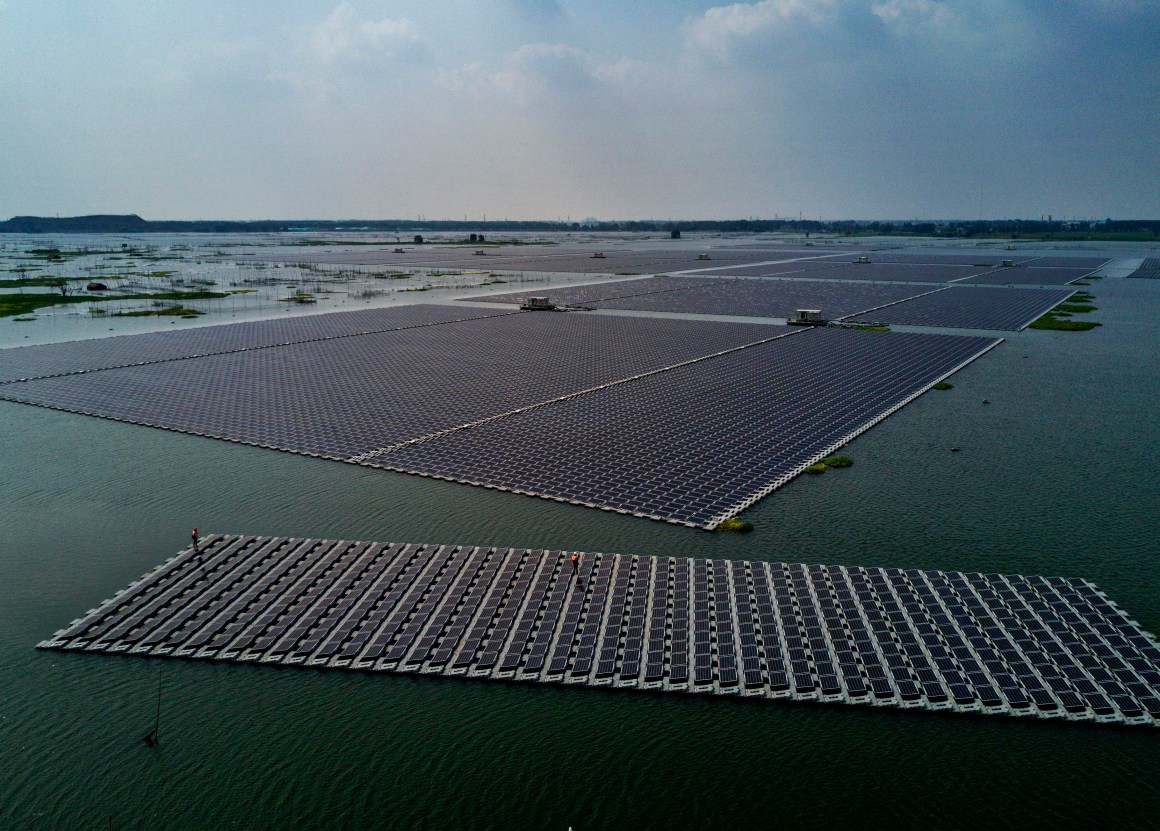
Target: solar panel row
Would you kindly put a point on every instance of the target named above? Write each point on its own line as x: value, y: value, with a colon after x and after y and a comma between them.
x: 1149, y: 270
x: 340, y: 398
x: 594, y: 410
x: 726, y: 296
x: 577, y: 261
x: 967, y: 307
x: 968, y: 642
x: 651, y: 448
x: 31, y: 362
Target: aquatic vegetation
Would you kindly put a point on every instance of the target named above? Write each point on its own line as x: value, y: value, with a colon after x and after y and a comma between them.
x: 174, y: 311
x: 735, y: 526
x: 943, y: 385
x: 1050, y: 321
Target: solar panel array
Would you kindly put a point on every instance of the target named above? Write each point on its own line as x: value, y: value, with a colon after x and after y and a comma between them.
x: 581, y: 261
x: 1149, y: 270
x: 28, y: 362
x: 844, y: 269
x: 724, y: 296
x: 343, y: 397
x: 594, y: 293
x: 1063, y: 261
x: 604, y: 411
x: 658, y: 448
x: 965, y: 642
x: 969, y: 307
x: 977, y: 259
x: 1030, y: 275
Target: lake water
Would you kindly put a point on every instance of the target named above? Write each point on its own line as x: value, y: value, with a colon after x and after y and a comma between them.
x: 1056, y: 476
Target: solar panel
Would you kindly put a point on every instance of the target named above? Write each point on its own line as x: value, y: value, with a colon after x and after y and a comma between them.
x: 337, y: 399
x: 1028, y: 274
x: 970, y: 307
x: 1149, y: 269
x: 712, y: 295
x: 499, y: 612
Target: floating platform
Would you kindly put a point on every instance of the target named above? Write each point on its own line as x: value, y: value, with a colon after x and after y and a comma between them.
x: 965, y: 642
x: 683, y: 421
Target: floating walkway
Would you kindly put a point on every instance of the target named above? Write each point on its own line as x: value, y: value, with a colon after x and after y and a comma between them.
x: 966, y: 642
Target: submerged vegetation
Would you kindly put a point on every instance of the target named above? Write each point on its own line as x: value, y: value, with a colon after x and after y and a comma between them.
x: 943, y: 385
x: 818, y: 468
x: 1057, y: 318
x: 21, y: 304
x: 735, y: 526
x: 175, y: 311
x: 1050, y: 321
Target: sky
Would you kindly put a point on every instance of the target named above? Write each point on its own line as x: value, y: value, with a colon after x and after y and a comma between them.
x: 538, y: 109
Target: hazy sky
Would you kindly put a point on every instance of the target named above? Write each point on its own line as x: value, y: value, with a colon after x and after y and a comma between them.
x: 540, y: 109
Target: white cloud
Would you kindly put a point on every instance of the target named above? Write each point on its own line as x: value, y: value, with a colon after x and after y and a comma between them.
x: 720, y: 28
x: 551, y: 71
x: 909, y: 15
x: 345, y: 37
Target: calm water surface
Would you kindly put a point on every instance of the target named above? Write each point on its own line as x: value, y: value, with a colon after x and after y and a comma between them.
x: 1056, y: 475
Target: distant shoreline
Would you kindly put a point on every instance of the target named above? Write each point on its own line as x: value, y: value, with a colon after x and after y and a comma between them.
x: 1133, y: 230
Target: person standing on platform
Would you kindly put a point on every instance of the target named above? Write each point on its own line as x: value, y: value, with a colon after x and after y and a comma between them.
x: 194, y: 536
x: 575, y: 561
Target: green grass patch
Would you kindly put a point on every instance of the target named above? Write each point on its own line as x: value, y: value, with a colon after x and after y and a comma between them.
x: 865, y: 328
x: 816, y: 470
x: 837, y: 461
x: 22, y: 304
x: 1074, y: 308
x: 943, y: 385
x: 735, y: 526
x: 241, y: 291
x: 1050, y: 321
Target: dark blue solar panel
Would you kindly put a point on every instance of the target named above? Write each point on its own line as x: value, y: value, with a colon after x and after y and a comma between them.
x: 1149, y: 270
x: 969, y: 307
x: 752, y: 436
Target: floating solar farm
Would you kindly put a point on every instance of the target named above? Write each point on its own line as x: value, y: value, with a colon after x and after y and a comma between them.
x: 964, y: 642
x: 727, y: 296
x: 600, y: 411
x: 1149, y: 270
x: 970, y: 307
x: 1031, y: 275
x: 544, y: 259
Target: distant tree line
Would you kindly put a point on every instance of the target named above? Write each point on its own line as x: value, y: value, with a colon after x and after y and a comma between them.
x: 133, y: 224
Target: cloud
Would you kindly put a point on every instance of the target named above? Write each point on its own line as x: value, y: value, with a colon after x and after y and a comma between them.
x: 342, y: 36
x: 911, y: 15
x: 721, y: 28
x: 548, y: 72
